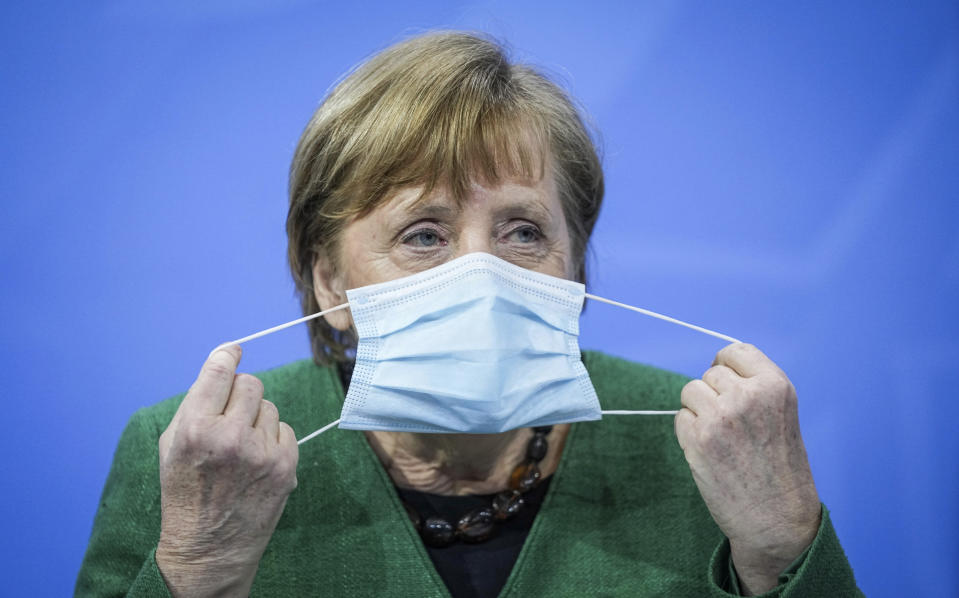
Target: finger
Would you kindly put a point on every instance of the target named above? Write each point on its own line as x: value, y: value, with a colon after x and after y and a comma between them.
x: 683, y: 424
x: 244, y: 403
x: 699, y: 398
x: 268, y: 420
x: 211, y: 390
x: 288, y: 438
x: 745, y: 359
x: 288, y: 444
x: 722, y: 379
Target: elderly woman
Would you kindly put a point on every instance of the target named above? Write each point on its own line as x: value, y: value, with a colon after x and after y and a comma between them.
x: 465, y: 463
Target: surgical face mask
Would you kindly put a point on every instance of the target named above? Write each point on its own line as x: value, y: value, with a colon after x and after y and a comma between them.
x: 476, y: 345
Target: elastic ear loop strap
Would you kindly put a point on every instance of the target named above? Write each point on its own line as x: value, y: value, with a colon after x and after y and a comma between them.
x: 640, y: 310
x: 653, y: 314
x: 280, y: 327
x: 277, y: 329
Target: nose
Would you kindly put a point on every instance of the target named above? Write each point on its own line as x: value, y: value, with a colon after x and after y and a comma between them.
x: 474, y: 237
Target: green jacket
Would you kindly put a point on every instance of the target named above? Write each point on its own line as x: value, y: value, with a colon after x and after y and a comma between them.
x: 622, y: 516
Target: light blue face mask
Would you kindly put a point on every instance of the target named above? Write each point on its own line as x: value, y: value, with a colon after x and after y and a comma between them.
x: 476, y: 345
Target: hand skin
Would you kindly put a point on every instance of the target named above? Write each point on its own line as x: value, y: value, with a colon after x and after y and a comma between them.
x: 739, y: 430
x: 227, y: 466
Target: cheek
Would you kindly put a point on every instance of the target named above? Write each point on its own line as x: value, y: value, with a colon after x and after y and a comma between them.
x: 561, y: 266
x: 561, y: 257
x: 356, y: 257
x: 365, y: 260
x: 556, y: 262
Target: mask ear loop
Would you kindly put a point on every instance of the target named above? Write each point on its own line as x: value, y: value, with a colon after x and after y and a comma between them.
x: 653, y: 314
x: 313, y: 435
x: 277, y: 329
x: 588, y: 295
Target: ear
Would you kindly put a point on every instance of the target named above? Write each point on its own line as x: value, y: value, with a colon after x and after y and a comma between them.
x: 329, y: 292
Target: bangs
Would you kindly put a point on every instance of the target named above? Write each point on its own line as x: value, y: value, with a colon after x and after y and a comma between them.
x: 498, y: 148
x: 478, y: 127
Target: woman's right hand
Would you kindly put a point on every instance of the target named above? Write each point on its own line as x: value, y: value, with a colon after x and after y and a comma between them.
x: 227, y: 466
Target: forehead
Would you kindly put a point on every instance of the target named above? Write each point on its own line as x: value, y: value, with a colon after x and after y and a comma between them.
x: 514, y: 196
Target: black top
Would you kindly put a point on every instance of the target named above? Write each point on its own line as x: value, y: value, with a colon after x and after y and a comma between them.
x: 477, y: 570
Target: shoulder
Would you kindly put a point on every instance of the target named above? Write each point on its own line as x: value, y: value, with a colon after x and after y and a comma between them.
x: 624, y: 384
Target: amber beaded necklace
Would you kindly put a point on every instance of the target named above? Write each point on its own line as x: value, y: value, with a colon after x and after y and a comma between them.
x: 479, y: 525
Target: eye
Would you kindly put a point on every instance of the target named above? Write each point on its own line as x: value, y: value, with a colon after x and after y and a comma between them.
x: 525, y: 234
x: 423, y: 237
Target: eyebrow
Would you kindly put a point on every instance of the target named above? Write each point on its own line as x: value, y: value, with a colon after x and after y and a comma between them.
x: 430, y: 210
x: 528, y: 209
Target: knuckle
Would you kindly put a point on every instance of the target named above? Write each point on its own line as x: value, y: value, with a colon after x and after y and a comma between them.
x: 249, y: 383
x: 709, y: 438
x: 269, y: 409
x: 191, y: 434
x: 683, y: 422
x: 288, y: 438
x: 289, y: 473
x: 284, y: 469
x: 689, y: 393
x: 773, y: 388
x: 228, y: 441
x: 713, y: 373
x: 259, y: 460
x: 785, y: 383
x: 217, y: 370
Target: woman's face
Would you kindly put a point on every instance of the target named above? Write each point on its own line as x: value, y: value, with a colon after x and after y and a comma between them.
x: 519, y: 221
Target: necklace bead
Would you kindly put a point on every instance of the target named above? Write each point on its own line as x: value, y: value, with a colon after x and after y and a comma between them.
x: 537, y: 448
x: 525, y: 477
x: 507, y: 504
x: 479, y: 525
x: 476, y: 526
x: 438, y: 532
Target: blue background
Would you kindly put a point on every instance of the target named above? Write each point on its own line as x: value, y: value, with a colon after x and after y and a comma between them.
x: 783, y: 172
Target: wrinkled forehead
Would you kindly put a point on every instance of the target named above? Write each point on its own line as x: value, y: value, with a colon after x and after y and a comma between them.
x: 509, y: 197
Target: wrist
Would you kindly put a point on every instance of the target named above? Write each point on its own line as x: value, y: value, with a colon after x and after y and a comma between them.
x: 759, y: 566
x: 755, y: 576
x: 192, y: 573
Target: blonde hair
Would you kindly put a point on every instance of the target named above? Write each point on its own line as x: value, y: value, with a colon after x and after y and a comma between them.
x: 441, y: 109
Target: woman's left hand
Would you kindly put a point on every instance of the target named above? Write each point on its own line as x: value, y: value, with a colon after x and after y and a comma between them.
x: 739, y: 430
